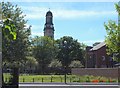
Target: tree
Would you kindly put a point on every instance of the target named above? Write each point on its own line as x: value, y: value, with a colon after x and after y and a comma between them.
x: 76, y: 64
x: 44, y: 50
x: 15, y: 50
x: 112, y: 39
x: 15, y: 37
x: 29, y: 66
x: 8, y: 29
x: 55, y: 64
x: 8, y: 33
x: 74, y: 51
x: 83, y: 50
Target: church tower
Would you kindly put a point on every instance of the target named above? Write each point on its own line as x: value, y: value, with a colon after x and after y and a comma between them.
x: 48, y: 27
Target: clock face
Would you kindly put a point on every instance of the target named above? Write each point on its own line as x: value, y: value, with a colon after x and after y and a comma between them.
x: 51, y: 26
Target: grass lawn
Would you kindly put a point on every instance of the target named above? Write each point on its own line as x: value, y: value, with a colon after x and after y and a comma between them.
x: 59, y: 78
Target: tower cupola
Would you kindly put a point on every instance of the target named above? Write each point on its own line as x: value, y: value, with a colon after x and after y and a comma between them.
x: 49, y: 28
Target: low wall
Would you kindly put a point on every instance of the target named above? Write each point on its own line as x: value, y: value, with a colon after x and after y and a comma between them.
x: 105, y: 72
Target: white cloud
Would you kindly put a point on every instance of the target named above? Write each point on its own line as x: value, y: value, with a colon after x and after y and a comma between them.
x: 33, y: 16
x: 34, y: 8
x: 90, y: 42
x: 39, y: 13
x: 34, y: 12
x: 63, y: 0
x: 36, y: 27
x: 37, y: 33
x: 36, y: 30
x: 80, y: 14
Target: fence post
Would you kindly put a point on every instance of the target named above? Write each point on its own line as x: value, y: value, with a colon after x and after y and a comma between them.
x: 23, y: 79
x: 33, y: 80
x: 61, y: 79
x: 70, y: 79
x: 51, y: 78
x: 5, y: 79
x: 79, y: 79
x: 42, y: 80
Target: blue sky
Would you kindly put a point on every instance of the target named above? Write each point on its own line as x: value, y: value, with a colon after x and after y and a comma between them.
x: 83, y: 21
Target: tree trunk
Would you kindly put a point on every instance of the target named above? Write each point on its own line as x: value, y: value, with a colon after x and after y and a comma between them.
x: 15, y: 80
x: 2, y: 79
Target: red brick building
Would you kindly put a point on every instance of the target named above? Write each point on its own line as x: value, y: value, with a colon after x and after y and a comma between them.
x: 97, y: 56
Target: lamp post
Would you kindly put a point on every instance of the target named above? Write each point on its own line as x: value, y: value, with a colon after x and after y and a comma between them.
x: 65, y: 48
x: 42, y: 60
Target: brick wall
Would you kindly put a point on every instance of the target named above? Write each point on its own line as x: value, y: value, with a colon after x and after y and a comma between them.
x: 98, y: 58
x: 105, y: 72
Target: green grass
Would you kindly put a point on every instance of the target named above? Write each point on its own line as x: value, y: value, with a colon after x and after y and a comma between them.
x: 56, y: 78
x: 39, y: 78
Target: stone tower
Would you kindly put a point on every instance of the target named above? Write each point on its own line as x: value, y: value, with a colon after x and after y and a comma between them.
x: 48, y: 27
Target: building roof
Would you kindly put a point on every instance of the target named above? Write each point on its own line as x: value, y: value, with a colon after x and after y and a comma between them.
x: 49, y: 13
x: 98, y: 46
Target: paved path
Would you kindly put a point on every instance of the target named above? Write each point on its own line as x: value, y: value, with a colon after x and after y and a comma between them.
x: 68, y: 85
x: 62, y: 83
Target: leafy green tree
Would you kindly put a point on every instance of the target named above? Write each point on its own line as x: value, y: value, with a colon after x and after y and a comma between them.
x: 8, y: 29
x: 55, y: 63
x: 113, y: 37
x: 83, y: 50
x: 8, y: 33
x: 72, y: 52
x: 44, y: 50
x: 31, y: 61
x: 29, y: 65
x: 76, y: 64
x: 16, y: 50
x: 15, y: 37
x: 55, y: 67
